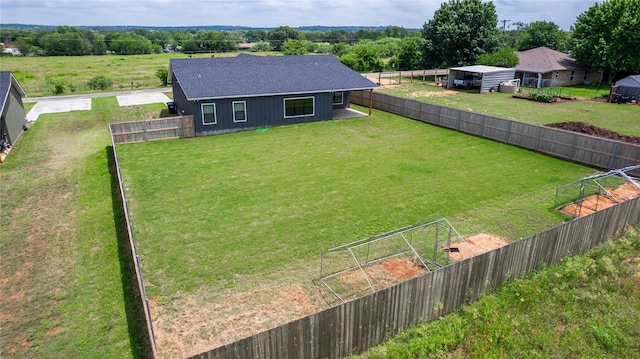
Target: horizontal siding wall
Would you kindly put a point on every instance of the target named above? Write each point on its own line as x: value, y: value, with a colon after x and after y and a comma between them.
x: 571, y: 146
x: 356, y: 326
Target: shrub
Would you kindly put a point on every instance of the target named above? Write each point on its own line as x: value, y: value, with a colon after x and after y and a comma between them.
x: 542, y: 97
x: 100, y: 82
x: 162, y: 74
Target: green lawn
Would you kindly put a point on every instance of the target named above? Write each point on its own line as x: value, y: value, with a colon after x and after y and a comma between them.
x: 65, y: 292
x: 255, y: 202
x: 619, y: 118
x: 586, y: 307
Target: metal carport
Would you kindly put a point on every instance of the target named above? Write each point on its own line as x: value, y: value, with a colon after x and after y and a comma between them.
x: 491, y: 76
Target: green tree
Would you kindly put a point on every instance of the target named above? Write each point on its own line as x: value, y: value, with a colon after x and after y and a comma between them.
x: 281, y: 34
x: 542, y: 33
x: 505, y: 57
x: 606, y: 37
x: 395, y: 31
x: 387, y: 46
x: 410, y: 54
x: 294, y: 47
x: 66, y: 40
x: 460, y: 31
x: 162, y: 73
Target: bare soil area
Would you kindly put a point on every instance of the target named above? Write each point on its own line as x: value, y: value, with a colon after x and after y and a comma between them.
x: 476, y: 244
x: 596, y: 203
x: 588, y: 129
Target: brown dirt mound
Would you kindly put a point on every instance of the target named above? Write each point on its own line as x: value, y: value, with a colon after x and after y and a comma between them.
x: 599, y: 202
x: 588, y: 129
x: 476, y: 244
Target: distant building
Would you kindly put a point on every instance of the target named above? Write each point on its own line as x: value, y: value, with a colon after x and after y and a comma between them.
x: 10, y: 50
x: 544, y: 67
x: 12, y: 116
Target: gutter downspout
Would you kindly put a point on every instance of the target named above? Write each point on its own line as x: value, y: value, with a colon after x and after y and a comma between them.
x: 539, y: 79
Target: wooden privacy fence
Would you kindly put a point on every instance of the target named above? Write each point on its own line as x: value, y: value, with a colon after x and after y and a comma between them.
x: 360, y: 324
x: 572, y: 146
x: 150, y: 130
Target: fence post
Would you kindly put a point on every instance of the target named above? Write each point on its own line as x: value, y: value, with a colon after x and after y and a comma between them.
x: 613, y: 155
x: 145, y: 127
x: 538, y: 138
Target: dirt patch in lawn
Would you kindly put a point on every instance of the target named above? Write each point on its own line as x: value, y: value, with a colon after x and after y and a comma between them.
x: 592, y: 130
x: 443, y: 93
x: 191, y: 325
x: 474, y: 245
x: 599, y: 202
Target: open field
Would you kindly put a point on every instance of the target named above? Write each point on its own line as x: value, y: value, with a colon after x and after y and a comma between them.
x: 219, y: 216
x: 64, y: 269
x: 586, y: 307
x: 620, y: 118
x: 33, y: 72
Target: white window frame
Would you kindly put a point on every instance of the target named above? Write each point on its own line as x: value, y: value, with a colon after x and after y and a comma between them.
x: 341, y: 98
x: 313, y: 106
x: 244, y: 109
x: 215, y: 116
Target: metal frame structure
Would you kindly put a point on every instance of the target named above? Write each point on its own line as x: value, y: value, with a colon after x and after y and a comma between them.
x: 379, y: 248
x: 596, y: 185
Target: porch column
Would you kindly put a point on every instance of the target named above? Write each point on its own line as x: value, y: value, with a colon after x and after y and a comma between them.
x: 539, y: 79
x: 370, y: 102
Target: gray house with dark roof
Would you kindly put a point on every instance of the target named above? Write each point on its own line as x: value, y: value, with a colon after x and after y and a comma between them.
x: 247, y: 92
x: 12, y: 116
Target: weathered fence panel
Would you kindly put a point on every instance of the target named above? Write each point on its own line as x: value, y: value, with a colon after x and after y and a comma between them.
x: 151, y: 130
x: 572, y: 146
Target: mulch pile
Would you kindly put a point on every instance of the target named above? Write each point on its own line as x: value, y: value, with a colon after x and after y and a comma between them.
x: 594, y: 131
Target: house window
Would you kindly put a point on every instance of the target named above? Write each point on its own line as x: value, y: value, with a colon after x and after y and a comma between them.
x: 298, y: 107
x: 337, y: 98
x: 209, y: 114
x: 239, y: 111
x: 572, y: 75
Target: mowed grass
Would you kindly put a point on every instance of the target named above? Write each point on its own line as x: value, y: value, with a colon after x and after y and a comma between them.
x: 586, y: 307
x: 209, y: 210
x: 65, y: 283
x: 624, y: 119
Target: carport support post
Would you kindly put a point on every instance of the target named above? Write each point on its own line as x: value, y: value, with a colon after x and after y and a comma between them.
x: 370, y: 102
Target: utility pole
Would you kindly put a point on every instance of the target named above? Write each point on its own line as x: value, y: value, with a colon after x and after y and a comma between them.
x: 504, y: 24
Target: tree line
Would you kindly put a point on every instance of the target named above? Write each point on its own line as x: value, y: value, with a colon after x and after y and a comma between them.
x: 462, y: 32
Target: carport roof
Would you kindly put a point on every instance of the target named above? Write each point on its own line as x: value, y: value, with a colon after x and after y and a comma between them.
x: 481, y: 69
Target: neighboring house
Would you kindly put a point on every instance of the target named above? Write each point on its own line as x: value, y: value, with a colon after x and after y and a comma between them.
x: 247, y: 92
x: 12, y: 117
x: 245, y: 46
x: 543, y: 67
x: 10, y: 49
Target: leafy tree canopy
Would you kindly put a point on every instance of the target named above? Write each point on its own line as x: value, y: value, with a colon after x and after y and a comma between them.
x: 542, y: 33
x: 606, y: 37
x: 460, y: 31
x: 505, y: 57
x: 294, y: 47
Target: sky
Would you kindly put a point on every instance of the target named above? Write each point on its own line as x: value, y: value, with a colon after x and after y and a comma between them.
x: 410, y: 14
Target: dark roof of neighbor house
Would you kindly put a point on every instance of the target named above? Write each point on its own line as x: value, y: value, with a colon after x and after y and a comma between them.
x: 250, y: 76
x: 544, y: 60
x: 6, y: 81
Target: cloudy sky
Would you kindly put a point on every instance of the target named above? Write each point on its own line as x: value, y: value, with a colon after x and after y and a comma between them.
x: 410, y: 14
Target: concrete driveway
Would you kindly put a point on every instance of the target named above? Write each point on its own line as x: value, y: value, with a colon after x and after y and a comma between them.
x: 83, y: 102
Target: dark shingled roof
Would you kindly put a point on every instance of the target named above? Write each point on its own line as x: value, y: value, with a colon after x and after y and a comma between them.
x: 248, y: 75
x: 543, y: 60
x: 6, y: 78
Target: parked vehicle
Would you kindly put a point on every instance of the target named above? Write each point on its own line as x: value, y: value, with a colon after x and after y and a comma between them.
x: 468, y: 82
x: 622, y: 98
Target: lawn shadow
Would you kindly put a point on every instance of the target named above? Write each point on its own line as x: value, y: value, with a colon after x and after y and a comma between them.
x: 139, y: 339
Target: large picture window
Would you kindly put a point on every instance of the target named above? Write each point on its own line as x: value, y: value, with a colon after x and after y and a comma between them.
x: 209, y: 113
x: 337, y: 98
x: 298, y: 107
x: 239, y: 111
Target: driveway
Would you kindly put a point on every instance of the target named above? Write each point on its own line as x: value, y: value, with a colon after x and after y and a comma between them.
x: 83, y: 102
